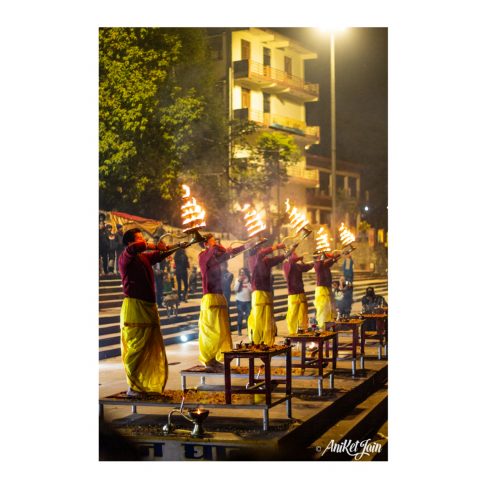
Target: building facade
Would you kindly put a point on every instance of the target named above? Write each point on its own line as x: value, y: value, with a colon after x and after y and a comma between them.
x: 263, y: 75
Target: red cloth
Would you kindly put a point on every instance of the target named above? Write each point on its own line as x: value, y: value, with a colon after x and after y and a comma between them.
x: 135, y: 267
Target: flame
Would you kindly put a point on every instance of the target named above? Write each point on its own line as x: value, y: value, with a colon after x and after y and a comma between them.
x: 323, y: 245
x: 346, y: 236
x: 297, y: 219
x: 193, y: 215
x: 187, y: 191
x: 253, y: 220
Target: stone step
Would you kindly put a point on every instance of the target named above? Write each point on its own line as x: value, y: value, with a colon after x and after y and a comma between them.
x: 360, y: 424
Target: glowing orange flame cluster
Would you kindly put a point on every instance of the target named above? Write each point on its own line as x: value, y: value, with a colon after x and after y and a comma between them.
x: 193, y: 215
x: 296, y: 218
x: 253, y: 222
x: 346, y: 236
x: 323, y: 245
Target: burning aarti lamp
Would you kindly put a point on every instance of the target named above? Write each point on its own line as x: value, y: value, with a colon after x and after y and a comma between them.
x: 297, y: 221
x: 195, y: 415
x: 254, y: 226
x: 193, y: 217
x: 347, y: 238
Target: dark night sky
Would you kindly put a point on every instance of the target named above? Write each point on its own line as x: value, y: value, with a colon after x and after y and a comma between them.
x: 361, y: 64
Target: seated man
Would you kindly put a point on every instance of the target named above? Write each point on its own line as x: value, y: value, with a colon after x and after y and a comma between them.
x: 371, y: 302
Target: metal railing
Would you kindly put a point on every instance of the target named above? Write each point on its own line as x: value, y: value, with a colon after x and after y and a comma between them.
x: 282, y: 77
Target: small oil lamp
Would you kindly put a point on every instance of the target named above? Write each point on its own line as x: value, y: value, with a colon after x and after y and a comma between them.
x: 195, y: 415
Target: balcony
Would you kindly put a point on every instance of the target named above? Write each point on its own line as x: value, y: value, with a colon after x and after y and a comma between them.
x: 278, y: 122
x: 254, y: 75
x: 302, y: 175
x: 317, y: 197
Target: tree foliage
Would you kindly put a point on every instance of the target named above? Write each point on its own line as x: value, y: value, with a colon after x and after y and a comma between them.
x: 155, y: 127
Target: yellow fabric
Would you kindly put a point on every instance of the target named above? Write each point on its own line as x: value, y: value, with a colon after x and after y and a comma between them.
x: 323, y: 306
x: 213, y: 328
x: 297, y: 313
x: 261, y: 321
x: 143, y: 351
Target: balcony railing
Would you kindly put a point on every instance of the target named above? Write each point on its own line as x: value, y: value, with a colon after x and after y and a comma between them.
x: 270, y: 77
x: 300, y: 172
x: 278, y: 121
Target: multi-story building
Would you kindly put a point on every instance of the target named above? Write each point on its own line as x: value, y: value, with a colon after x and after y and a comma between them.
x: 263, y: 74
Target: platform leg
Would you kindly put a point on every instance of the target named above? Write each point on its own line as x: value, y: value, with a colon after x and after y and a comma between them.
x: 354, y: 367
x: 134, y: 409
x: 331, y: 381
x: 238, y: 361
x: 379, y: 351
x: 202, y: 380
x: 362, y: 362
x: 184, y: 382
x: 101, y: 413
x: 385, y: 350
x: 320, y: 386
x: 289, y: 407
x: 265, y: 419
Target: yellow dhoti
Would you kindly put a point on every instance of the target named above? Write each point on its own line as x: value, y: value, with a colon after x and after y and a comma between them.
x: 143, y: 351
x: 213, y: 328
x: 297, y: 313
x: 261, y: 321
x: 323, y: 306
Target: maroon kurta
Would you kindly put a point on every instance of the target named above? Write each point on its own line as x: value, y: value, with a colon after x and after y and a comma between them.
x: 136, y: 271
x: 261, y: 268
x: 209, y: 262
x: 322, y: 270
x: 293, y: 274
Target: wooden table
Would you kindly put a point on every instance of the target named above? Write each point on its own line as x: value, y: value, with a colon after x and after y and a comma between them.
x: 320, y: 340
x: 381, y: 330
x: 257, y: 385
x: 356, y: 327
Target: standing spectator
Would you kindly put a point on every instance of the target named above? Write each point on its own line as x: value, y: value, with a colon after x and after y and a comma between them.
x: 120, y: 245
x: 338, y: 298
x: 243, y: 292
x: 347, y: 288
x: 347, y: 268
x: 227, y: 279
x: 103, y: 245
x: 112, y: 248
x: 158, y: 272
x: 181, y: 272
x: 192, y: 281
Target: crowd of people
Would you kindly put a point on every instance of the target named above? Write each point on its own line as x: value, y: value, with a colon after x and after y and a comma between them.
x: 151, y: 272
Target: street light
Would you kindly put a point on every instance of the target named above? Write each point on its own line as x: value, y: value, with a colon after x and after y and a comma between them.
x: 332, y: 32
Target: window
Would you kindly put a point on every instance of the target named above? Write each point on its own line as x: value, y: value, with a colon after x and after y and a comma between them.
x: 266, y: 56
x: 352, y: 186
x: 288, y: 66
x: 245, y: 50
x: 340, y: 182
x: 245, y: 98
x: 324, y: 217
x: 266, y: 102
x: 324, y: 183
x: 216, y: 46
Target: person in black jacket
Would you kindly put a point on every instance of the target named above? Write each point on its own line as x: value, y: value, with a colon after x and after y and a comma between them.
x: 181, y: 272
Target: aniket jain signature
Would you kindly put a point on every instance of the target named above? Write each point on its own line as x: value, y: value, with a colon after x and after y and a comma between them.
x: 355, y: 449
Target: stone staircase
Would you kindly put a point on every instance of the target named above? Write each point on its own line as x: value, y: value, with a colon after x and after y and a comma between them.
x: 184, y: 326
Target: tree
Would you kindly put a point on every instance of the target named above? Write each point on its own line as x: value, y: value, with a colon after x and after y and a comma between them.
x: 155, y: 128
x: 259, y: 163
